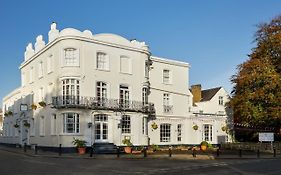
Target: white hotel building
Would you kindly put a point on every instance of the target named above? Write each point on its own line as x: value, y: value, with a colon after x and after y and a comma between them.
x: 102, y: 88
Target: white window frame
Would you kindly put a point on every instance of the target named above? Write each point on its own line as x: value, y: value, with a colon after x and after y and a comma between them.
x: 71, y: 57
x: 41, y: 94
x: 23, y: 79
x: 40, y: 69
x: 126, y: 124
x: 50, y: 64
x: 31, y: 72
x: 75, y: 123
x: 102, y: 61
x: 124, y: 95
x: 70, y: 90
x: 179, y: 132
x: 129, y: 65
x: 208, y: 132
x: 165, y: 132
x: 53, y: 124
x: 221, y: 100
x: 42, y: 126
x: 167, y: 78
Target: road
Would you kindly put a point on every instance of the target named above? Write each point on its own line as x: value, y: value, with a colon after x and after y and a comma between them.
x: 19, y: 164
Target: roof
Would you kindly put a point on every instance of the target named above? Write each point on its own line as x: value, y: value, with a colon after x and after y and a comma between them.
x: 208, y: 94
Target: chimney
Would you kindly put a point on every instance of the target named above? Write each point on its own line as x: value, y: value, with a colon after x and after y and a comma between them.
x: 196, y: 92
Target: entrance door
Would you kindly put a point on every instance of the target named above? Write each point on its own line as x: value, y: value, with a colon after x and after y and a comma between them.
x: 101, y: 128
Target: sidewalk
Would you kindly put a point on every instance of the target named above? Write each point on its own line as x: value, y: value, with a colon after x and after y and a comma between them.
x: 187, y: 156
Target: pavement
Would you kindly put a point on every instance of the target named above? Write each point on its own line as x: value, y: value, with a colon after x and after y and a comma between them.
x: 180, y: 156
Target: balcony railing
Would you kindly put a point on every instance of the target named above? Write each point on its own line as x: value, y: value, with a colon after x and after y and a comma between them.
x: 96, y: 103
x: 168, y: 109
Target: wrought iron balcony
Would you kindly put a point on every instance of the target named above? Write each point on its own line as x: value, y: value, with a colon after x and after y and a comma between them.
x: 96, y: 103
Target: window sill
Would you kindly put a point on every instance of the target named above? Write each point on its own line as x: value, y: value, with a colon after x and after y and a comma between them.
x: 70, y: 134
x: 105, y: 70
x: 126, y: 73
x: 50, y: 72
x: 167, y: 83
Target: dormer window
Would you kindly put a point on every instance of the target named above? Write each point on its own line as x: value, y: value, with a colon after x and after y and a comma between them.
x: 71, y: 57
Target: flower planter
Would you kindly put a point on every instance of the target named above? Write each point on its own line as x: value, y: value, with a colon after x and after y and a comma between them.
x: 203, y: 147
x: 128, y: 150
x: 81, y: 151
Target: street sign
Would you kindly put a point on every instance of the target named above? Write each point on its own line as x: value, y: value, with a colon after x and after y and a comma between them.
x: 266, y: 137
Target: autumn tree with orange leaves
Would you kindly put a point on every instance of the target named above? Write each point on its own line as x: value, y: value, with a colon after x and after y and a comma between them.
x: 257, y: 85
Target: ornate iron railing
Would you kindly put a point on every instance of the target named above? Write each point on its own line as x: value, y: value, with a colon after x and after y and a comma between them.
x: 97, y: 103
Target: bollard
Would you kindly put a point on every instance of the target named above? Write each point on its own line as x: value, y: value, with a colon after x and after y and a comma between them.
x: 118, y: 152
x: 218, y: 152
x: 258, y: 153
x: 24, y: 147
x: 274, y: 152
x: 193, y: 152
x: 240, y: 152
x: 35, y: 149
x: 91, y: 151
x: 145, y: 152
x: 170, y: 152
x: 60, y: 150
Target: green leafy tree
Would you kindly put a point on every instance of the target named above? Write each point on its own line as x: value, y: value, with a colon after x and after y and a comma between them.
x: 257, y: 85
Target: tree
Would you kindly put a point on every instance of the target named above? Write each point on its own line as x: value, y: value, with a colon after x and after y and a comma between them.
x: 257, y: 85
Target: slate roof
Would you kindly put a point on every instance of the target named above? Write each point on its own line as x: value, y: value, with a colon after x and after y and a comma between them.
x: 208, y: 94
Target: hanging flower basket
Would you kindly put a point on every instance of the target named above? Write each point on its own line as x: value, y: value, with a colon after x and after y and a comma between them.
x: 42, y: 104
x: 33, y: 106
x: 154, y: 126
x: 6, y: 114
x: 26, y: 124
x: 16, y: 125
x: 223, y: 128
x: 10, y: 113
x: 195, y: 127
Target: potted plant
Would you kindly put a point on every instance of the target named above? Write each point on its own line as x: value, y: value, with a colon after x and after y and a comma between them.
x: 16, y: 125
x: 128, y: 147
x: 203, y: 145
x: 42, y: 104
x: 80, y: 145
x: 26, y: 124
x: 33, y: 106
x: 154, y: 126
x: 195, y: 127
x: 6, y: 114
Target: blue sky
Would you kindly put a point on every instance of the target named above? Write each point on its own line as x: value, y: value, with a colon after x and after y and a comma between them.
x: 214, y: 36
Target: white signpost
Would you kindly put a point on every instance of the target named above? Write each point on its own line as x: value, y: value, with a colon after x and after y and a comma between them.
x: 266, y: 136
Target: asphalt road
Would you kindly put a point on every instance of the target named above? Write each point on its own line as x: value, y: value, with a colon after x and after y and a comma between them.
x: 19, y: 164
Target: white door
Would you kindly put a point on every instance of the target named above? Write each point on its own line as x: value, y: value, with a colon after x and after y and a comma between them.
x: 101, y: 128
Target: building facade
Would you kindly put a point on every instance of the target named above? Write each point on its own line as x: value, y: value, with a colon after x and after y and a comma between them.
x: 101, y: 88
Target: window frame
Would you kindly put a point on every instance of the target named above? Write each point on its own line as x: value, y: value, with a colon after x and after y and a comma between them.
x: 75, y: 57
x: 165, y: 132
x: 105, y: 61
x: 75, y: 123
x: 126, y: 124
x: 166, y: 77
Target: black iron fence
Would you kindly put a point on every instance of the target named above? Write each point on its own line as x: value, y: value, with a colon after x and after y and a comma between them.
x: 97, y: 103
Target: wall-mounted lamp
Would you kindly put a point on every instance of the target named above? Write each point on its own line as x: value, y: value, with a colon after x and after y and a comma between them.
x: 90, y: 124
